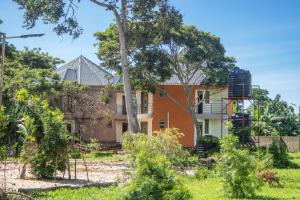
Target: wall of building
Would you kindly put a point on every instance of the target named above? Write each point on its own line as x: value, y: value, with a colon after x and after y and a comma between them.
x: 90, y: 124
x: 175, y: 116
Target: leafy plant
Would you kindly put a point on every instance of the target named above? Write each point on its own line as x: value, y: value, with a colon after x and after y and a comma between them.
x: 46, y: 137
x: 270, y: 177
x: 153, y: 158
x: 280, y: 157
x: 203, y: 173
x: 94, y: 144
x: 237, y: 169
x: 153, y: 180
x: 164, y: 143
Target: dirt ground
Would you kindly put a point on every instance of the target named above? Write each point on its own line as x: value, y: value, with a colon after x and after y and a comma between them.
x: 99, y: 173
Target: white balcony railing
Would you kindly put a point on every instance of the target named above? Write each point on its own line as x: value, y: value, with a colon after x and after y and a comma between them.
x: 212, y: 108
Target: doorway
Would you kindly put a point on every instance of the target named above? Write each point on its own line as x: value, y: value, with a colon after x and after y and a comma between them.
x: 144, y: 127
x: 124, y: 127
x: 200, y: 132
x: 200, y: 102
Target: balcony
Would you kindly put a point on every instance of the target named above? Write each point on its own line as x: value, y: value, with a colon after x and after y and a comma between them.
x: 213, y: 110
x: 143, y: 110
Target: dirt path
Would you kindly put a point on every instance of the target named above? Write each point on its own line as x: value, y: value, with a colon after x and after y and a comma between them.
x: 100, y: 173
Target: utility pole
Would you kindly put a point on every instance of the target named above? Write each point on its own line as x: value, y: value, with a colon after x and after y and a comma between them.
x: 2, y: 65
x: 4, y: 38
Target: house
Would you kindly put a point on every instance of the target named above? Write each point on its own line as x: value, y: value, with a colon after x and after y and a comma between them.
x: 88, y: 124
x: 155, y: 111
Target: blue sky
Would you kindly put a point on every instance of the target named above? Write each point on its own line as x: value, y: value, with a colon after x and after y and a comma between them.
x: 263, y: 36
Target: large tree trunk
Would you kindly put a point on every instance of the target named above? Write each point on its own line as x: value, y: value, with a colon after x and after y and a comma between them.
x: 131, y: 109
x: 121, y: 20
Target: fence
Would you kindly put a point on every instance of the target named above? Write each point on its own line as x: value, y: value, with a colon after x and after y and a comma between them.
x: 292, y: 142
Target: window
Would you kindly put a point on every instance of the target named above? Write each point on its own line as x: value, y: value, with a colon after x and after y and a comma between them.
x: 71, y: 104
x: 207, y: 97
x: 206, y: 126
x: 162, y: 124
x: 69, y: 128
x: 109, y: 124
x: 162, y: 93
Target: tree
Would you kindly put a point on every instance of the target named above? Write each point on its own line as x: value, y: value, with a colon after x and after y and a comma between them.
x: 45, y: 135
x: 195, y: 58
x: 62, y: 14
x: 34, y: 71
x: 237, y: 169
x: 272, y: 116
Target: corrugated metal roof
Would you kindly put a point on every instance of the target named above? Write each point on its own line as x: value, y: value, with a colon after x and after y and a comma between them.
x: 84, y: 71
x: 196, y: 79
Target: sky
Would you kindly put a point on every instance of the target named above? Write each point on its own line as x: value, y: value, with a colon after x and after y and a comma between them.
x: 263, y: 36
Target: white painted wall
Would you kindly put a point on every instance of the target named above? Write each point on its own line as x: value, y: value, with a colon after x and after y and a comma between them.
x: 215, y: 127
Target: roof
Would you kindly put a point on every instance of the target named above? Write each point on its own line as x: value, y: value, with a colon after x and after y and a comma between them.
x: 197, y: 79
x: 84, y: 71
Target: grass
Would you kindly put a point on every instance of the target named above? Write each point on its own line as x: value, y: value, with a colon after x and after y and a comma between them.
x: 208, y: 189
x: 105, y: 156
x: 93, y: 193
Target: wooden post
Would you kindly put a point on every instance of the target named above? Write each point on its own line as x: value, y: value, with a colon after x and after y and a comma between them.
x: 75, y: 168
x: 86, y: 169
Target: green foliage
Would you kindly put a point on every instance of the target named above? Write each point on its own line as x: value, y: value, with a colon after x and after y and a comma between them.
x: 280, y: 157
x: 3, y: 123
x: 237, y: 169
x: 45, y: 136
x: 153, y: 158
x: 94, y: 144
x: 273, y: 117
x: 153, y: 181
x: 264, y: 159
x: 203, y: 173
x: 164, y: 143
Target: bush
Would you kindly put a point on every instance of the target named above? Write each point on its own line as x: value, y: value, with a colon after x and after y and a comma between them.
x: 46, y: 137
x: 203, y: 173
x: 270, y: 177
x: 154, y: 181
x: 279, y: 154
x: 237, y: 169
x: 164, y: 143
x: 153, y: 158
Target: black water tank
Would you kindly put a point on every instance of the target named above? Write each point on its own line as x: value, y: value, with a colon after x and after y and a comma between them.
x: 239, y: 83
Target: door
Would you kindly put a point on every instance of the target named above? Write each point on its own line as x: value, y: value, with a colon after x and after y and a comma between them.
x: 144, y: 127
x: 144, y: 103
x: 200, y: 127
x: 124, y: 127
x: 200, y: 102
x: 124, y: 111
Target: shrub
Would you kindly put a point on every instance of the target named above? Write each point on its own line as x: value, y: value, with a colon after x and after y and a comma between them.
x: 264, y: 159
x: 279, y: 154
x: 46, y: 137
x: 153, y: 158
x: 203, y: 173
x: 161, y: 143
x: 237, y: 169
x: 270, y: 177
x: 153, y: 180
x: 94, y: 145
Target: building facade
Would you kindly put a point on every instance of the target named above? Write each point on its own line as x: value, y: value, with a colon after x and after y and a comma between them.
x: 155, y: 111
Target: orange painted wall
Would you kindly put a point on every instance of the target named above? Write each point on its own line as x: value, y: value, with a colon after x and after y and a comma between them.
x: 178, y: 117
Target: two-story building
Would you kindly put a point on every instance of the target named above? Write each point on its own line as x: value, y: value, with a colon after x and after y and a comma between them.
x: 156, y: 111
